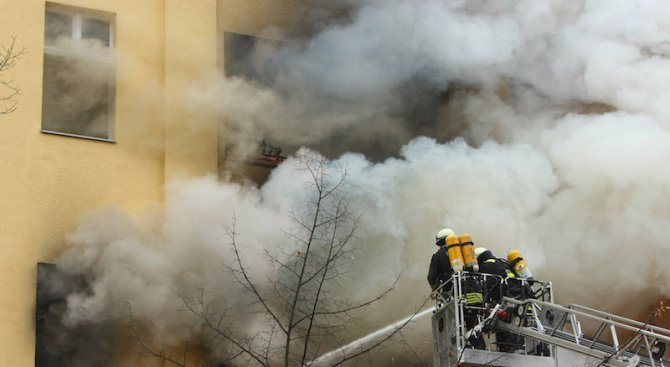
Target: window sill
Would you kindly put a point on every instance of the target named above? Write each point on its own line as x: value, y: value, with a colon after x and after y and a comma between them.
x: 78, y: 136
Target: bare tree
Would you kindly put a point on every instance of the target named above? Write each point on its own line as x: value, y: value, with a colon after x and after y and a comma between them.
x: 8, y: 89
x: 303, y: 309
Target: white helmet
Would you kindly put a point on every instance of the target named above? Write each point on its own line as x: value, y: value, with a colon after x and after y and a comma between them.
x: 479, y: 251
x: 443, y: 233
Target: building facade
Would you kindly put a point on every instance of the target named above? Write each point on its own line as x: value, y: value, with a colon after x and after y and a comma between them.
x: 98, y: 122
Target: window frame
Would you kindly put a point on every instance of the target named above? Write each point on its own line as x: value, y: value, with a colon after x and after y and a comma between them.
x: 77, y: 16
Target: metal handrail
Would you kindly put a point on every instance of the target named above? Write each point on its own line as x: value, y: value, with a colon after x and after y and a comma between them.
x: 663, y: 338
x: 455, y: 293
x: 643, y: 338
x: 636, y: 323
x: 438, y: 294
x: 545, y: 287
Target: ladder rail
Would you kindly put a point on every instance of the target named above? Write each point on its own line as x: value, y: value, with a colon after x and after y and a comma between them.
x: 556, y: 341
x: 599, y: 332
x: 631, y: 350
x: 617, y: 318
x: 665, y: 338
x: 648, y: 346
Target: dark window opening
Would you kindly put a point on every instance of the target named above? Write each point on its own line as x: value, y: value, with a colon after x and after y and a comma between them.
x: 245, y: 57
x: 58, y: 345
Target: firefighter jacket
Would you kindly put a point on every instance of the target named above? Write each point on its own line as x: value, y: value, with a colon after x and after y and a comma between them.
x: 440, y: 269
x: 471, y: 286
x: 495, y: 289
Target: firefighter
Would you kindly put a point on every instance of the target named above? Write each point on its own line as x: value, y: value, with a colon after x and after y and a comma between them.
x: 523, y: 276
x: 474, y: 305
x: 496, y: 289
x: 440, y: 269
x: 489, y: 264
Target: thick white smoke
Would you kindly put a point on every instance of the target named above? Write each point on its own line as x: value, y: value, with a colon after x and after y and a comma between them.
x: 562, y: 113
x: 582, y: 82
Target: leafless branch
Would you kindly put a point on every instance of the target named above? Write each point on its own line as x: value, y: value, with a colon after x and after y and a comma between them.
x: 363, y: 304
x: 202, y: 314
x: 318, y: 179
x: 148, y: 349
x: 383, y: 340
x: 324, y: 271
x: 248, y: 283
x: 8, y: 57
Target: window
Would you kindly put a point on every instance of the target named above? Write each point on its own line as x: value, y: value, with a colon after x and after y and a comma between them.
x: 248, y: 57
x: 79, y: 73
x: 58, y: 345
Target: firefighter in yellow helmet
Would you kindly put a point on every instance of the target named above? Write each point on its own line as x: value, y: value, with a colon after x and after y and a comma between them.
x: 496, y: 289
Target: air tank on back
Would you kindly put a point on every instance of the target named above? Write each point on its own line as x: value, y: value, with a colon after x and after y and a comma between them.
x: 468, y: 251
x: 518, y: 264
x: 455, y: 255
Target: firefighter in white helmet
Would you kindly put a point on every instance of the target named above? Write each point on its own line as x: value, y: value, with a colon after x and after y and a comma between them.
x: 489, y: 264
x: 447, y: 259
x: 440, y: 268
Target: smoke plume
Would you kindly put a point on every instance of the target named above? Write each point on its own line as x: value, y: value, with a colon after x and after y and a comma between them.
x: 547, y: 129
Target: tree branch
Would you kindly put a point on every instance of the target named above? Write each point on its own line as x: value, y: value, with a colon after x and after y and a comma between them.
x: 8, y: 57
x: 249, y: 283
x: 218, y: 331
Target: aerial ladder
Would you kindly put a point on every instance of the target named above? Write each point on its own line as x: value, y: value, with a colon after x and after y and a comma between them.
x: 546, y: 334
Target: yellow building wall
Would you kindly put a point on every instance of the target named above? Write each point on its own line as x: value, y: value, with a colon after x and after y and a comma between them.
x: 190, y: 55
x: 48, y: 181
